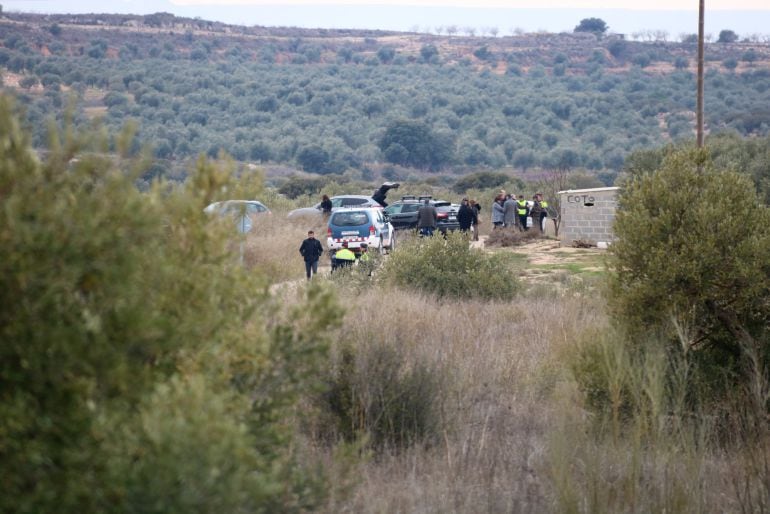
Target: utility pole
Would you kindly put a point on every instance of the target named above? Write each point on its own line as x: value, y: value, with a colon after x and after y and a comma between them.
x: 699, y: 108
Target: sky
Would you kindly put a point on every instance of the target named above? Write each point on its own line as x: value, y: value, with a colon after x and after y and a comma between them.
x: 746, y: 17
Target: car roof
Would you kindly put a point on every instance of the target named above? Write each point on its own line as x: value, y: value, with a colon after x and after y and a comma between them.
x: 353, y: 208
x: 409, y: 201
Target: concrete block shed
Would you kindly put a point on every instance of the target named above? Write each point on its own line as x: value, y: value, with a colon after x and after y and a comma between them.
x: 587, y: 215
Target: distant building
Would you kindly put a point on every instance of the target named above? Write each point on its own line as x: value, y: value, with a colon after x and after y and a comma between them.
x: 588, y: 215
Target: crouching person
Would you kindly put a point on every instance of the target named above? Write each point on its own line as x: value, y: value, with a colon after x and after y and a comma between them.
x: 343, y: 258
x: 365, y: 259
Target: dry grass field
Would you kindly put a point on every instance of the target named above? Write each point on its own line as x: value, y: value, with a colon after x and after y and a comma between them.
x: 513, y: 431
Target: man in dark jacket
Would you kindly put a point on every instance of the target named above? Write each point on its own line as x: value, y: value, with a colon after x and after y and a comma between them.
x: 311, y: 250
x: 427, y: 218
x: 380, y: 194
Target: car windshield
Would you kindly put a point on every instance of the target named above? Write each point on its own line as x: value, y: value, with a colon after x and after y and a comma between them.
x: 349, y: 219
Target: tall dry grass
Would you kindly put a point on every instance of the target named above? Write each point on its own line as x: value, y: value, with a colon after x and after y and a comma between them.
x: 272, y: 246
x: 515, y: 434
x: 499, y: 359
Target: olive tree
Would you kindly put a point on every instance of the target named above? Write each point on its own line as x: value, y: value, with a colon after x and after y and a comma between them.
x: 690, y: 260
x: 142, y: 369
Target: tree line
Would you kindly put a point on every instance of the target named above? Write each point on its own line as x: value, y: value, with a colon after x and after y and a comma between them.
x: 372, y: 104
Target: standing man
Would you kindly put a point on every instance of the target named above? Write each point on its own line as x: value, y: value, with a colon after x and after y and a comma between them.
x: 311, y: 250
x: 535, y: 212
x: 523, y: 211
x: 510, y: 216
x: 543, y: 213
x: 476, y: 206
x: 427, y: 218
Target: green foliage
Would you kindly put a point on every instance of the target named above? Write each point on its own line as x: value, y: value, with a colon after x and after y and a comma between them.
x: 484, y: 180
x: 386, y: 54
x: 343, y: 107
x: 594, y: 25
x: 414, y: 143
x: 730, y: 63
x: 483, y: 53
x: 600, y: 363
x: 750, y: 56
x: 690, y: 258
x: 681, y: 63
x: 727, y: 36
x: 727, y: 152
x: 376, y: 393
x: 313, y: 158
x: 429, y: 53
x: 298, y: 186
x: 139, y: 369
x: 450, y: 267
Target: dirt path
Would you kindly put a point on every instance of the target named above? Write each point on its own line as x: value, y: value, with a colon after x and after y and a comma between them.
x: 549, y: 263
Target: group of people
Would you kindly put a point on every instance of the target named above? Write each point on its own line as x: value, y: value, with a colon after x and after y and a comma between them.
x: 510, y: 211
x: 507, y: 211
x: 467, y: 218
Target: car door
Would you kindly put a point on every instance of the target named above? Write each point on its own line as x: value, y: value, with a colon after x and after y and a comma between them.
x: 384, y: 226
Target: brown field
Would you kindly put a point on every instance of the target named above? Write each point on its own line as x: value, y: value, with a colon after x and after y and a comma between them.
x: 515, y: 434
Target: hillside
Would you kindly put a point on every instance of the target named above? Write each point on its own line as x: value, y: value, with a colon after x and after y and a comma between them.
x: 323, y: 100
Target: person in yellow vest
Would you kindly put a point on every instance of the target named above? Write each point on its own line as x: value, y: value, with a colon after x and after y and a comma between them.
x: 365, y: 260
x: 543, y: 212
x: 344, y: 257
x: 522, y: 211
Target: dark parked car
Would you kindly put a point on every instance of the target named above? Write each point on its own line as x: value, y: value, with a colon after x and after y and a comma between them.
x: 403, y: 213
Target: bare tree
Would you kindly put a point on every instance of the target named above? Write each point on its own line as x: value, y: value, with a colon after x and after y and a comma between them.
x: 494, y: 31
x: 470, y: 31
x: 439, y: 30
x: 451, y: 30
x: 553, y: 181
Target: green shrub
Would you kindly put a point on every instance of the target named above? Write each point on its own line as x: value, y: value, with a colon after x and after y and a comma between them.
x: 691, y: 262
x: 138, y: 369
x: 297, y: 186
x: 450, y: 267
x: 375, y: 393
x: 485, y: 180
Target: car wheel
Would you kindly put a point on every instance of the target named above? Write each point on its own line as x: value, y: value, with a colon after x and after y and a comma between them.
x: 381, y: 248
x: 392, y: 245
